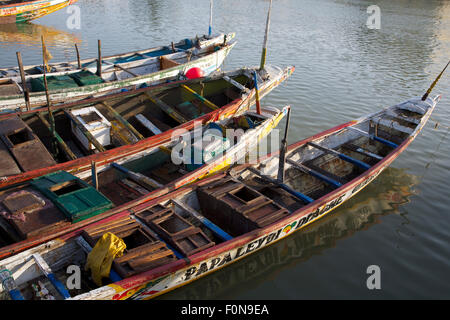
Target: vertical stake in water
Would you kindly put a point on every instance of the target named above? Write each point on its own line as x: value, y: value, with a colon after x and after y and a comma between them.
x: 78, y: 56
x: 24, y: 82
x: 210, y: 18
x: 255, y: 79
x: 99, y: 61
x: 283, y: 149
x: 425, y: 96
x: 264, y: 51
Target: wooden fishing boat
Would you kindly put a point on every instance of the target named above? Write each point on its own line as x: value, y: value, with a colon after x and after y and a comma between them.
x: 198, y: 229
x: 76, y: 80
x: 18, y: 11
x: 124, y: 125
x: 60, y: 201
x: 384, y: 196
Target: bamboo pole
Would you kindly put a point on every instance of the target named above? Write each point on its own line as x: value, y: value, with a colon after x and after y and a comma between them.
x: 264, y: 51
x: 24, y: 82
x: 425, y: 96
x: 283, y: 149
x: 78, y: 56
x: 99, y: 61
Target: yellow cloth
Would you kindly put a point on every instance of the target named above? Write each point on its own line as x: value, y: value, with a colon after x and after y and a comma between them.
x: 100, y: 259
x: 46, y: 55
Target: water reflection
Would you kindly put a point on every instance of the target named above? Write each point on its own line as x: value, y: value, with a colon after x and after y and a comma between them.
x: 30, y: 34
x: 385, y: 195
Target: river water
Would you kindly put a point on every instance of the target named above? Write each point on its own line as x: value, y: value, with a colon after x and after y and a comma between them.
x: 344, y: 70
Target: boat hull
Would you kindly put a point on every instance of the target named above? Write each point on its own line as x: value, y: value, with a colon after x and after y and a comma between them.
x: 181, y: 272
x: 122, y: 154
x: 208, y: 63
x: 31, y: 10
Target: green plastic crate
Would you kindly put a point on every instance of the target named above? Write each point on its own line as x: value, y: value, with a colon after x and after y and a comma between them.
x: 74, y: 197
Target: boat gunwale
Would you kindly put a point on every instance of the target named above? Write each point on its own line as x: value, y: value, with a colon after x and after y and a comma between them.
x: 101, y: 88
x: 246, y: 238
x: 34, y: 3
x: 229, y: 35
x: 33, y: 241
x: 107, y: 156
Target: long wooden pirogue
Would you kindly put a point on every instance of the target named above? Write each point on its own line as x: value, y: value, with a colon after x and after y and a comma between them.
x: 19, y: 11
x: 123, y: 125
x: 196, y: 230
x: 75, y: 80
x: 54, y: 204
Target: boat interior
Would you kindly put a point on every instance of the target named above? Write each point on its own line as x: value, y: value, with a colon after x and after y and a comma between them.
x: 153, y: 237
x: 62, y: 75
x: 248, y: 198
x: 37, y: 140
x: 59, y: 199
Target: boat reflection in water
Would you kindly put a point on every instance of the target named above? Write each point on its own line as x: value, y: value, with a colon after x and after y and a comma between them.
x: 30, y: 34
x: 383, y: 196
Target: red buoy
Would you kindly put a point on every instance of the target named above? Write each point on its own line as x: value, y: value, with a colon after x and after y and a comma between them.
x: 194, y: 73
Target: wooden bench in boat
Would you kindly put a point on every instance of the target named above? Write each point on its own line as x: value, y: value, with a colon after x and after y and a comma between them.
x: 237, y: 207
x: 143, y: 250
x: 177, y: 231
x: 166, y: 63
x: 27, y: 150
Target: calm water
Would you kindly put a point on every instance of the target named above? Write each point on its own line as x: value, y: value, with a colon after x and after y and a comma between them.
x: 400, y: 222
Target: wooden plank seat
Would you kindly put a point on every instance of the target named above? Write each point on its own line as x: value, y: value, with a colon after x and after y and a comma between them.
x: 176, y: 230
x: 238, y: 208
x: 166, y: 63
x: 143, y: 251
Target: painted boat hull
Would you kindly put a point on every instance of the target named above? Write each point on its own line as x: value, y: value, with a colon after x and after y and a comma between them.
x: 208, y: 63
x: 122, y: 154
x: 82, y: 167
x: 181, y: 272
x: 32, y: 10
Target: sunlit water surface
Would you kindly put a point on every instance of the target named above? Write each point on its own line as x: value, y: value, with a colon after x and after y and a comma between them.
x: 344, y: 70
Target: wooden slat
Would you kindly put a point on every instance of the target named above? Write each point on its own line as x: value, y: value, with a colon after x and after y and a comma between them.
x: 122, y: 120
x: 200, y: 97
x: 342, y: 156
x: 58, y: 138
x: 49, y: 274
x: 296, y: 194
x: 373, y: 137
x: 148, y: 124
x: 207, y: 223
x: 174, y: 114
x: 126, y: 70
x: 314, y: 173
x: 236, y: 84
x: 360, y: 150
